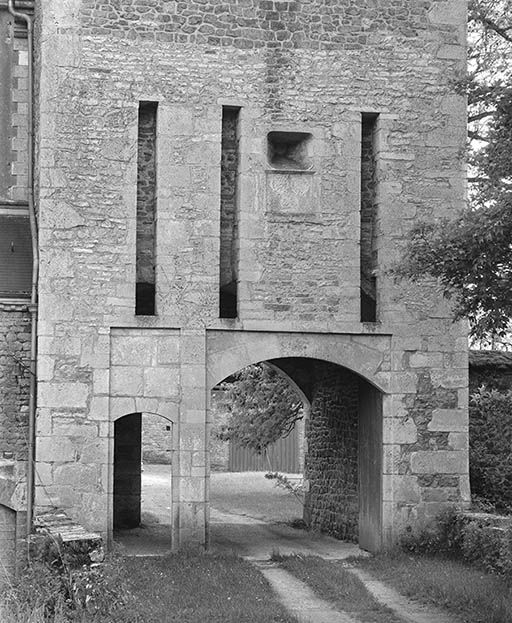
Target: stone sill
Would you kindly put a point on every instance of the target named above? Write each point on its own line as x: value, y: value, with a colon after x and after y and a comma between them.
x: 291, y: 171
x: 261, y: 326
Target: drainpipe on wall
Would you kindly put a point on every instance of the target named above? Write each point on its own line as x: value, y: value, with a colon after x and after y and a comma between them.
x: 35, y: 266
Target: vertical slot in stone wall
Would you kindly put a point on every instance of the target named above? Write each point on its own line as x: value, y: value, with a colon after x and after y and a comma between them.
x: 368, y: 250
x: 146, y: 210
x: 228, y: 279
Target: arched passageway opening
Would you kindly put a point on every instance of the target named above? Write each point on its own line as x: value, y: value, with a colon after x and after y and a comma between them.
x: 341, y: 448
x: 256, y: 447
x: 142, y: 509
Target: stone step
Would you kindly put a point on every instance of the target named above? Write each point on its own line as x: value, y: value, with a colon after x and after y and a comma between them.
x: 59, y: 524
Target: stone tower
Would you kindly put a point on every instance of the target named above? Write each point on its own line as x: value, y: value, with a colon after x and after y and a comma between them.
x: 224, y: 183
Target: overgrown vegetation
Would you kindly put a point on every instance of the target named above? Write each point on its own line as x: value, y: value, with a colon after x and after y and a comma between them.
x: 189, y: 587
x: 483, y: 541
x: 490, y: 448
x: 60, y: 584
x: 471, y: 595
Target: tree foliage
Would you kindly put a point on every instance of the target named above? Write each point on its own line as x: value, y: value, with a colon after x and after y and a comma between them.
x: 490, y: 450
x: 263, y: 407
x: 472, y: 255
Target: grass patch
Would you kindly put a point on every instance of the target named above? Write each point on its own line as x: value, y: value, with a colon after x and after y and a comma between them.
x: 333, y: 583
x: 186, y: 587
x: 193, y: 588
x: 475, y: 596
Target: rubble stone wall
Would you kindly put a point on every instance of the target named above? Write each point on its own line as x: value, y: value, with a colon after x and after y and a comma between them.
x: 14, y: 383
x: 332, y: 467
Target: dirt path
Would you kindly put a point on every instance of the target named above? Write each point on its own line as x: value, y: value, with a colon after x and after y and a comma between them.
x: 299, y: 599
x: 409, y: 611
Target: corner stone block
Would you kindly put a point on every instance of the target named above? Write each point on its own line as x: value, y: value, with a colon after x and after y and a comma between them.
x: 453, y: 420
x: 439, y: 462
x: 192, y: 516
x: 68, y: 427
x: 161, y: 382
x: 459, y: 441
x: 63, y: 394
x: 94, y: 451
x: 130, y: 350
x: 77, y: 475
x: 121, y: 406
x: 426, y: 360
x: 192, y: 438
x: 405, y: 489
x: 101, y: 381
x: 399, y: 430
x: 192, y: 489
x: 193, y: 349
x: 50, y: 449
x: 99, y: 408
x: 126, y: 381
x: 169, y: 350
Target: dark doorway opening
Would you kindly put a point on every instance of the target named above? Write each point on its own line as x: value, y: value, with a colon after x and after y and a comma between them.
x: 142, y: 517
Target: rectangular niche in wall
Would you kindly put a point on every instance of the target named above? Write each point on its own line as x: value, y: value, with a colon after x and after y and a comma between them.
x: 289, y: 150
x: 290, y: 184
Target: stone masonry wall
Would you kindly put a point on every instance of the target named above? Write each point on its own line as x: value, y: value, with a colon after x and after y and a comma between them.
x: 332, y: 456
x: 439, y: 424
x: 156, y: 440
x: 311, y: 68
x: 252, y: 24
x: 14, y: 383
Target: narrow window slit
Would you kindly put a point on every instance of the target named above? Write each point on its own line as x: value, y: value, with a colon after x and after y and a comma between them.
x: 229, y: 244
x: 368, y: 251
x: 146, y: 210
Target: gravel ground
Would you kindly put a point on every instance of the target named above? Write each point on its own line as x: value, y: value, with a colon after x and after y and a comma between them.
x: 253, y: 495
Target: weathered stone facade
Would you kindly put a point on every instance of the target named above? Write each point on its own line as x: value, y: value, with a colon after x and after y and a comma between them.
x: 302, y: 76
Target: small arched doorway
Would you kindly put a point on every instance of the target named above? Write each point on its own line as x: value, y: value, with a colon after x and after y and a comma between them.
x: 142, y: 483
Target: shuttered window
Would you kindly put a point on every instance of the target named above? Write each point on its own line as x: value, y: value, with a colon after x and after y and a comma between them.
x: 15, y: 257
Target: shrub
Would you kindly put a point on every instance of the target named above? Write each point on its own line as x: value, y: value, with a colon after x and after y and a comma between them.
x: 475, y: 538
x: 60, y: 585
x: 490, y: 443
x: 441, y: 535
